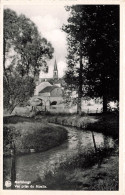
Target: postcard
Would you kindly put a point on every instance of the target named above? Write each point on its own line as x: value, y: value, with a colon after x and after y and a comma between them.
x: 62, y: 100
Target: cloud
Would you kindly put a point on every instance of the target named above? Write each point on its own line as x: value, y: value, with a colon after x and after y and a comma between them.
x: 61, y: 65
x: 49, y: 20
x: 58, y: 40
x: 50, y: 27
x: 46, y: 23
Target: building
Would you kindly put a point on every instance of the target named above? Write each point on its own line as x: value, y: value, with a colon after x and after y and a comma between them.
x: 49, y: 91
x: 55, y: 71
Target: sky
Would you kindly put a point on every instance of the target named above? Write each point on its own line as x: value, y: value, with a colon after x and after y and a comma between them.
x: 49, y: 21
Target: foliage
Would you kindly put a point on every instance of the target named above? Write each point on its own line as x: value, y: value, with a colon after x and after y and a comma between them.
x: 103, y: 74
x: 29, y: 134
x: 76, y: 39
x: 107, y: 124
x: 70, y: 174
x: 24, y: 45
x: 93, y: 51
x: 114, y: 108
x: 18, y: 90
x: 9, y: 135
x: 87, y: 159
x: 25, y: 52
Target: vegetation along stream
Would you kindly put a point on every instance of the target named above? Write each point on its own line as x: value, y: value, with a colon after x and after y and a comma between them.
x: 32, y: 166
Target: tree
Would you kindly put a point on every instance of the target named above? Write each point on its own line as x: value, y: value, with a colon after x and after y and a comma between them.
x: 93, y: 33
x: 23, y: 44
x: 103, y: 70
x: 25, y: 52
x: 77, y: 38
x: 18, y: 92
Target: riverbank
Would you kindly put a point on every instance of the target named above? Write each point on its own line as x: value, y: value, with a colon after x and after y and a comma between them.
x: 90, y: 178
x: 94, y: 177
x: 30, y: 135
x: 28, y: 132
x: 83, y: 171
x: 107, y: 124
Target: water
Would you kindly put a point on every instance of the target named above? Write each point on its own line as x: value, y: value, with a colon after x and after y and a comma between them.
x: 33, y: 166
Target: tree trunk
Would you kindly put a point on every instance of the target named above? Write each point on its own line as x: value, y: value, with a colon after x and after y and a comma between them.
x: 4, y: 52
x: 104, y: 96
x: 79, y: 111
x: 13, y: 166
x: 94, y: 142
x: 80, y: 92
x: 104, y: 103
x: 104, y: 90
x: 4, y: 61
x: 11, y: 108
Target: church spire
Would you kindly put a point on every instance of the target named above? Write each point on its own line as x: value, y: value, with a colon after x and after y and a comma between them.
x: 55, y: 66
x: 55, y: 71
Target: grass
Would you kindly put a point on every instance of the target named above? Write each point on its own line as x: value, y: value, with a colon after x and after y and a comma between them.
x: 108, y: 123
x: 88, y: 171
x: 16, y: 119
x: 30, y: 134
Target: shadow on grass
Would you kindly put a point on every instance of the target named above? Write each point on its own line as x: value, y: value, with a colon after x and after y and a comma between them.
x: 63, y: 177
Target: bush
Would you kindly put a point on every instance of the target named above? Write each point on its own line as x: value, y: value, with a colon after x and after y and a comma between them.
x: 36, y: 136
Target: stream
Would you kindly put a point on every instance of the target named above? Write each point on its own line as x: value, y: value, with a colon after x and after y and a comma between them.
x: 32, y: 166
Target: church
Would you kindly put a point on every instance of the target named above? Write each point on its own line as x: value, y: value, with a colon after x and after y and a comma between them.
x: 49, y: 96
x: 55, y: 80
x: 49, y: 91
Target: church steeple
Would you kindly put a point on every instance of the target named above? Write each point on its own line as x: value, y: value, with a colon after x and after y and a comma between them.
x: 55, y: 71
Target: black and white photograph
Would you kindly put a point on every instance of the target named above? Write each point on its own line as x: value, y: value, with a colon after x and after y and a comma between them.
x: 61, y: 89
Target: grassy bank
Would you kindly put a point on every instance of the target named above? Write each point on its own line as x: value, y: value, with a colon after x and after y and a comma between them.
x: 86, y: 171
x: 30, y: 134
x: 107, y: 124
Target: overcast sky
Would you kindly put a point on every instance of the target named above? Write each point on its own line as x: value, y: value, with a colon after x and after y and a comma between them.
x: 49, y: 20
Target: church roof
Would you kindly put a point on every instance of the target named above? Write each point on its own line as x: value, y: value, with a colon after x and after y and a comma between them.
x: 41, y: 86
x: 48, y: 89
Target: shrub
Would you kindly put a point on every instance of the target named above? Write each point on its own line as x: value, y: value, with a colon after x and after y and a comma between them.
x: 36, y: 136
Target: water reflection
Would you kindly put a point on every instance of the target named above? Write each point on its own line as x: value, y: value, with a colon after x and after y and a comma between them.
x: 29, y: 167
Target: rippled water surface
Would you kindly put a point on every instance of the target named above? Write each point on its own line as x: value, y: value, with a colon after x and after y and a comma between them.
x: 30, y: 167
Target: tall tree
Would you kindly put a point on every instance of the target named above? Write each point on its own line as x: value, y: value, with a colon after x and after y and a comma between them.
x: 93, y: 32
x: 25, y: 52
x: 23, y: 45
x: 103, y: 70
x: 77, y: 39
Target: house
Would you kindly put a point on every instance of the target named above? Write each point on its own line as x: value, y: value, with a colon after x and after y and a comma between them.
x: 49, y: 95
x: 48, y: 92
x: 51, y: 91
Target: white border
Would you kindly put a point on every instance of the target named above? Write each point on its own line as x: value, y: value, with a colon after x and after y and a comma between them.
x: 122, y: 90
